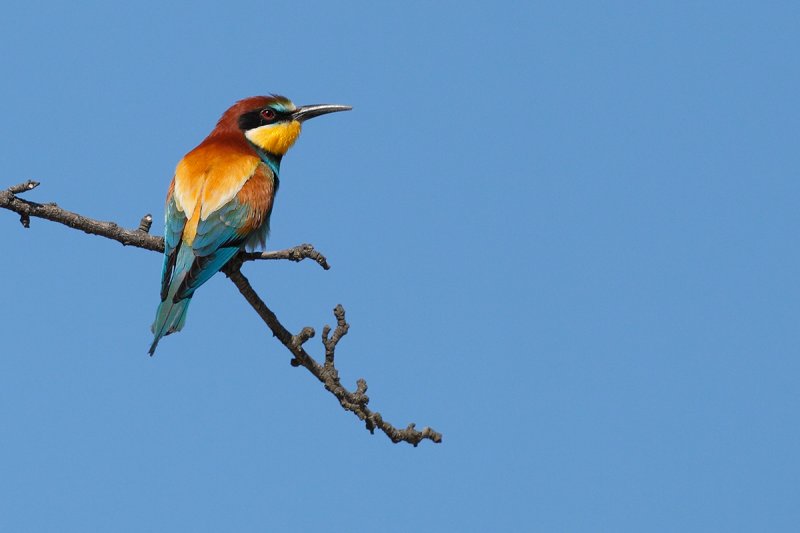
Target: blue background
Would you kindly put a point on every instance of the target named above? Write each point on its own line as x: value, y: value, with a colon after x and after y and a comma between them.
x: 565, y: 237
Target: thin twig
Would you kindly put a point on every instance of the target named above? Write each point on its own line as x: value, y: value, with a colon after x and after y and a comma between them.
x: 52, y: 212
x: 23, y: 187
x: 353, y: 401
x: 145, y: 223
x: 296, y: 254
x: 138, y: 237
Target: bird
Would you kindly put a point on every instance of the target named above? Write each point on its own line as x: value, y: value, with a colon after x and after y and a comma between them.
x: 221, y: 197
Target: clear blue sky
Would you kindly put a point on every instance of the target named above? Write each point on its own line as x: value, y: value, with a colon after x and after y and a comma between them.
x: 566, y: 236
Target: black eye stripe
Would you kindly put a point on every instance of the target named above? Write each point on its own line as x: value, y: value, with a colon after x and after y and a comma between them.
x: 254, y: 119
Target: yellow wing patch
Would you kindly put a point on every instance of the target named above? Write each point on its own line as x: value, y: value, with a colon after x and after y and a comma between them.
x: 208, y: 178
x: 275, y: 138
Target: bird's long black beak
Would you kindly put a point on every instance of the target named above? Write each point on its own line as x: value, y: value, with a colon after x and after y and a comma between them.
x: 310, y: 111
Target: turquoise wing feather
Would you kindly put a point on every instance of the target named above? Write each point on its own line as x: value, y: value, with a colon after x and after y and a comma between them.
x: 187, y: 267
x: 216, y: 242
x: 174, y: 222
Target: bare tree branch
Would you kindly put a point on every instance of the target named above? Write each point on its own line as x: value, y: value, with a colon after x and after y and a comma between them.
x: 298, y: 253
x: 110, y: 230
x: 139, y: 237
x: 353, y: 401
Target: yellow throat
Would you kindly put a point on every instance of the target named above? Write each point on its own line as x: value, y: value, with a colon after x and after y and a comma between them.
x: 275, y: 138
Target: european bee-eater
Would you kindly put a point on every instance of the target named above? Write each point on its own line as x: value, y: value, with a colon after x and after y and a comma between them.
x: 220, y: 199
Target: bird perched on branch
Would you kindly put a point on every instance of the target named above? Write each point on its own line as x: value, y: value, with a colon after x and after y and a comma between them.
x: 220, y: 199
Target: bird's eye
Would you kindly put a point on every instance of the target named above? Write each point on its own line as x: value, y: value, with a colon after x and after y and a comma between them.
x: 268, y: 114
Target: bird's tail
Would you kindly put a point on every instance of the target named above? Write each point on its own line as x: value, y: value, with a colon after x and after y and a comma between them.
x: 171, y: 314
x: 170, y: 317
